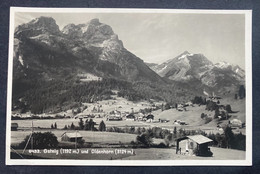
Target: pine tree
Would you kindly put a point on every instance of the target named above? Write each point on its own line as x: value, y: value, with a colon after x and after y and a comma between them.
x: 229, y: 136
x: 216, y: 113
x: 91, y: 124
x: 81, y: 124
x: 55, y: 125
x: 102, y: 126
x: 228, y: 109
x: 241, y: 92
x: 86, y: 125
x: 72, y: 126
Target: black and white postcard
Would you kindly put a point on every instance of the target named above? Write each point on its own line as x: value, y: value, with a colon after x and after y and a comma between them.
x: 129, y: 87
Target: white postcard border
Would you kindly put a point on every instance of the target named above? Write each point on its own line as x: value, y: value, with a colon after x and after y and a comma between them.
x: 248, y: 69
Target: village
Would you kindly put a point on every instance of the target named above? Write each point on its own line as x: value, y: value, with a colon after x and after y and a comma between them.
x: 130, y: 118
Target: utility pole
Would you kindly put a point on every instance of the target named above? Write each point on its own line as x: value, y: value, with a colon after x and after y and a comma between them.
x: 76, y: 140
x: 32, y: 138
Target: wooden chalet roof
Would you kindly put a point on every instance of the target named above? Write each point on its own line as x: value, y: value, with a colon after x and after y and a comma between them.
x: 200, y: 139
x: 130, y: 116
x: 14, y: 125
x: 72, y: 135
x: 150, y: 116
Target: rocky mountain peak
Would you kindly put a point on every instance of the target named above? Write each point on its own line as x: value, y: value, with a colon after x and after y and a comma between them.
x: 91, y: 47
x: 94, y: 21
x: 188, y: 67
x: 41, y: 24
x: 185, y: 52
x: 223, y: 65
x: 92, y: 32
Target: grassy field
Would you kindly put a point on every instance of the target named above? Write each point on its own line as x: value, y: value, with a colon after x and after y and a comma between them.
x: 88, y: 136
x: 191, y: 117
x: 169, y: 154
x: 80, y: 156
x: 144, y: 154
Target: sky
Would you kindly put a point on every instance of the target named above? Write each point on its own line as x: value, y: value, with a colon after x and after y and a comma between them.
x: 157, y: 37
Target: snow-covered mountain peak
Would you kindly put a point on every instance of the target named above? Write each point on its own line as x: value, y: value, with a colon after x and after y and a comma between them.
x: 223, y: 65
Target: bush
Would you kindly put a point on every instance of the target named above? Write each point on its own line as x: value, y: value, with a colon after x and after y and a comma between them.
x: 207, y: 120
x: 40, y: 141
x: 144, y: 139
x: 211, y: 106
x: 81, y: 143
x: 228, y: 109
x: 161, y: 145
x: 203, y: 115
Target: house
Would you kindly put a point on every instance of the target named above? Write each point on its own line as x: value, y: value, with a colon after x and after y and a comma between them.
x: 236, y: 123
x: 189, y: 103
x: 14, y: 126
x: 180, y: 122
x: 140, y: 117
x: 163, y: 120
x: 194, y: 144
x: 130, y: 117
x: 180, y: 107
x: 149, y: 118
x: 114, y: 118
x: 71, y: 137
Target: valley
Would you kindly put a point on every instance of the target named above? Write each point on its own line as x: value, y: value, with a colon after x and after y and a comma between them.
x: 80, y: 80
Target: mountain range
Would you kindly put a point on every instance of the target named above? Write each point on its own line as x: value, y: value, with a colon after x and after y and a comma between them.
x: 55, y: 62
x: 190, y: 68
x: 92, y: 47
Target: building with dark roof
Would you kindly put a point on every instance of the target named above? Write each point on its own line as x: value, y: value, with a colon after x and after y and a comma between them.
x: 130, y: 117
x: 194, y: 144
x: 14, y: 126
x: 71, y: 137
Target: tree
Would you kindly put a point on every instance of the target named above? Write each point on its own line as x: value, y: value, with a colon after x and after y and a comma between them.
x: 224, y: 115
x: 239, y: 142
x: 72, y: 126
x: 79, y: 110
x: 162, y: 107
x: 241, y: 92
x: 216, y: 113
x: 211, y: 106
x: 144, y: 139
x: 81, y: 124
x: 91, y: 125
x: 138, y: 131
x: 229, y: 136
x: 132, y: 130
x: 55, y: 125
x: 40, y: 140
x: 52, y: 127
x: 102, y: 126
x: 175, y: 131
x: 202, y: 115
x: 167, y: 106
x: 86, y: 125
x: 228, y: 109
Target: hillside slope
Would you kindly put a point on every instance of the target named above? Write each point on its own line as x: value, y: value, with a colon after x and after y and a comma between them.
x: 201, y: 72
